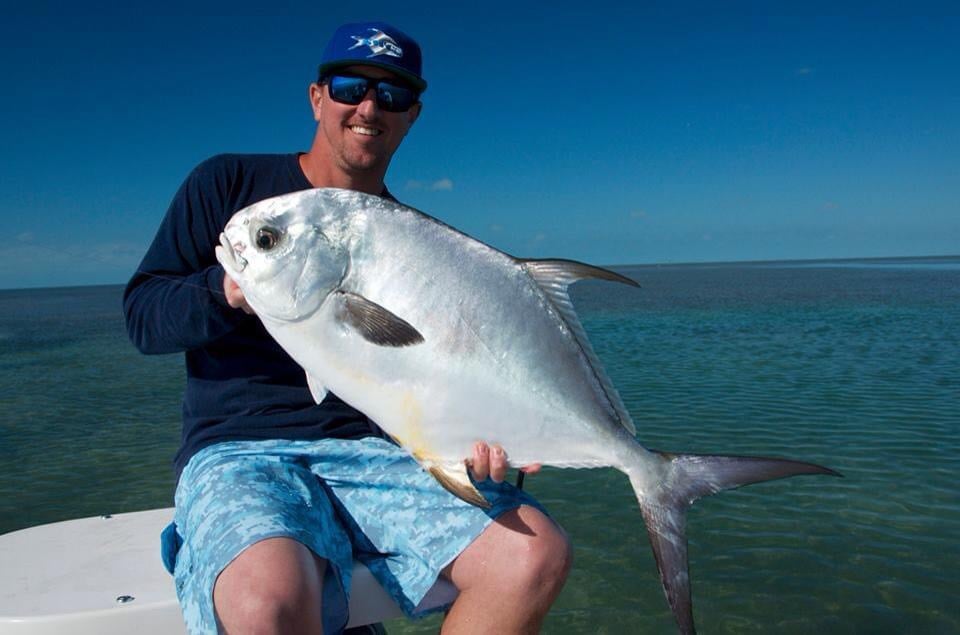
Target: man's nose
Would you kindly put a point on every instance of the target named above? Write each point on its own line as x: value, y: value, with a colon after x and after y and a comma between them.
x: 368, y: 105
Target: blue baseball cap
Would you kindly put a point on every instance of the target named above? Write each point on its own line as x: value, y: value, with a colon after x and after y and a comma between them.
x: 374, y: 44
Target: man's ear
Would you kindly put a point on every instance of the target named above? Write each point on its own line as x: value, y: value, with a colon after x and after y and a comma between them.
x: 315, y: 94
x: 414, y: 112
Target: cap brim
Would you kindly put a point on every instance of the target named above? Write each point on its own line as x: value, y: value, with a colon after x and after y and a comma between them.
x: 417, y: 82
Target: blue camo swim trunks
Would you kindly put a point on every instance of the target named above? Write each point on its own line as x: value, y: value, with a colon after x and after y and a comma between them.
x: 344, y: 499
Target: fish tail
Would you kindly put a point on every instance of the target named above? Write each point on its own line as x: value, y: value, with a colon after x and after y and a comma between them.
x: 666, y: 491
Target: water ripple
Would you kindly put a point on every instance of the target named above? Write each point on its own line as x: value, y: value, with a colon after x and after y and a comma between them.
x: 854, y: 368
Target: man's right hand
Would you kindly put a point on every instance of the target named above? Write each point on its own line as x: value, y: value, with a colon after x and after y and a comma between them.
x: 234, y: 295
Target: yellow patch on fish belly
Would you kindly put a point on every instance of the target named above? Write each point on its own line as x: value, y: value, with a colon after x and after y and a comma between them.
x: 453, y: 478
x: 411, y: 429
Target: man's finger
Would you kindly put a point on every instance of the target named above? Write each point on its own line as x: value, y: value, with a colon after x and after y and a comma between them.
x: 498, y: 464
x: 481, y: 461
x: 234, y: 295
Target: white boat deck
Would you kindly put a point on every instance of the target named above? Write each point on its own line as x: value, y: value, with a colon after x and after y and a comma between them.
x: 103, y: 576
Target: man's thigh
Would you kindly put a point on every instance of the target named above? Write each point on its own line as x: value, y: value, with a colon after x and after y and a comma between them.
x: 235, y: 495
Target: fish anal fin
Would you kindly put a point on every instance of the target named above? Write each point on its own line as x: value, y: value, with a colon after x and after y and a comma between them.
x: 566, y: 272
x: 374, y: 323
x: 453, y: 477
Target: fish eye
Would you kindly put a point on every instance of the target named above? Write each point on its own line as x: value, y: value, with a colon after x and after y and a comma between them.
x: 267, y: 238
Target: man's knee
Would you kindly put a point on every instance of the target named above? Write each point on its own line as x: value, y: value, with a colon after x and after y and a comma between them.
x: 523, y: 550
x: 542, y: 552
x: 273, y: 586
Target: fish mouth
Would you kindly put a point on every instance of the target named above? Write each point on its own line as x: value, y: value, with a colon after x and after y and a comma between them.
x: 229, y: 256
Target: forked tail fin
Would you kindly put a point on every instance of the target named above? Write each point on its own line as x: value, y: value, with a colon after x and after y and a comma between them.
x: 687, y: 477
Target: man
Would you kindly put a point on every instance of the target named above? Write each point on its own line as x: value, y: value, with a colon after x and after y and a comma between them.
x: 277, y: 494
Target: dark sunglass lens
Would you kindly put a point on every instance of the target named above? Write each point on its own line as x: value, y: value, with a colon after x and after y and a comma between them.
x: 393, y: 98
x: 348, y: 90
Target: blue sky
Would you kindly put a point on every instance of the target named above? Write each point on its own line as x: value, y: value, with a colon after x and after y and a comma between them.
x: 663, y: 132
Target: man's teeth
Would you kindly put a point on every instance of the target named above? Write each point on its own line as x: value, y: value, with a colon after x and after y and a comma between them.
x: 370, y: 132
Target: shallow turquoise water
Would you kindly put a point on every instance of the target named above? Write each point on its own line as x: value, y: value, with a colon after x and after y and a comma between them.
x: 852, y: 365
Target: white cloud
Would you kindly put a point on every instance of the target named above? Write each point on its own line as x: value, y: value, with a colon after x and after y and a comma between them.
x: 806, y: 70
x: 112, y: 252
x: 440, y: 185
x: 638, y: 213
x: 496, y: 227
x: 25, y: 237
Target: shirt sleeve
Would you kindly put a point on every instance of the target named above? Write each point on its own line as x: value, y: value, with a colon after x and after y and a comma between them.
x: 174, y: 302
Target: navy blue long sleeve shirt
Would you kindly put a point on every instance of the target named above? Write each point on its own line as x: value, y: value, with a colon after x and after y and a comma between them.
x: 240, y: 384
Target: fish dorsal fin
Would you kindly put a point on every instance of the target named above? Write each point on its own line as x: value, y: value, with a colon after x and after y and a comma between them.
x: 317, y: 390
x: 553, y: 277
x: 373, y: 322
x: 557, y: 271
x: 455, y: 479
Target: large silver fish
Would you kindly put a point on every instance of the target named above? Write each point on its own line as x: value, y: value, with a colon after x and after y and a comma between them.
x: 443, y: 341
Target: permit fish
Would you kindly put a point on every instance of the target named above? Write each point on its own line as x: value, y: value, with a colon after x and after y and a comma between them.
x: 443, y: 340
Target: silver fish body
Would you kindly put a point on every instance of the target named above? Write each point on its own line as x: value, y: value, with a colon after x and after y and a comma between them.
x: 444, y: 341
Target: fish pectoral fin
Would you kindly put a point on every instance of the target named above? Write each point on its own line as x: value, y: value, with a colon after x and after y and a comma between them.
x: 317, y: 389
x: 374, y: 323
x: 454, y: 478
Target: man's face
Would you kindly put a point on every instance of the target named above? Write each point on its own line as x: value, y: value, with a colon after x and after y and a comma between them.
x: 363, y: 137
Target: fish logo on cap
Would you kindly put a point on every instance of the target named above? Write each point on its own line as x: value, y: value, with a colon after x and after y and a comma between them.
x: 379, y: 44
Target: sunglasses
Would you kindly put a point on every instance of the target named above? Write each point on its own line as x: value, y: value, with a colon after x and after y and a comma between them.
x: 351, y: 89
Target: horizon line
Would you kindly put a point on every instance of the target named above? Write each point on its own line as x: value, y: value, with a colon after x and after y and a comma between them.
x: 610, y: 266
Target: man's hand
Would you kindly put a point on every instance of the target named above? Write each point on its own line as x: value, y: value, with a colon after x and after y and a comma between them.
x: 491, y: 462
x: 234, y: 295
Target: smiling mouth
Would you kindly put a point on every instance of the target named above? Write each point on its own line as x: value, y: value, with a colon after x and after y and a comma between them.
x: 365, y: 131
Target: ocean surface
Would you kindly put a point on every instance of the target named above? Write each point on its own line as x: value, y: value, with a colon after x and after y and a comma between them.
x: 851, y: 364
